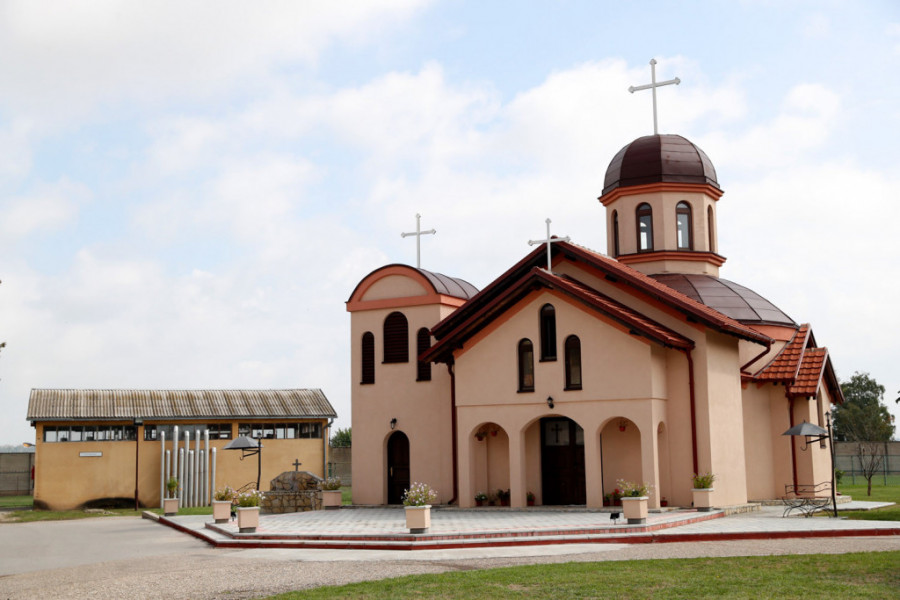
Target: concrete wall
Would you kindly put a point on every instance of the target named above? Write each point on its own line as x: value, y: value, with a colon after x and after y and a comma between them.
x: 15, y: 473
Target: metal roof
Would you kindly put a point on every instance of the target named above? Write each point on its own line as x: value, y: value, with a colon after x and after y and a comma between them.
x: 70, y: 404
x: 659, y: 158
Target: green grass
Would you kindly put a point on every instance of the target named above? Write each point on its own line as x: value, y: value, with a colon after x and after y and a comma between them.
x: 17, y: 501
x: 859, y: 575
x: 880, y: 493
x: 346, y: 495
x: 28, y: 516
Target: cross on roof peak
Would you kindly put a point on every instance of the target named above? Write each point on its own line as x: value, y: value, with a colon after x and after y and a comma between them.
x: 550, y: 240
x: 418, y: 233
x: 652, y: 87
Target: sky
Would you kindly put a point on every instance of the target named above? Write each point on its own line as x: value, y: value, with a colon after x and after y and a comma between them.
x: 189, y: 192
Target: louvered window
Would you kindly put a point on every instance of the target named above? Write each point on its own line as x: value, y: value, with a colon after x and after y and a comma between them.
x: 526, y: 366
x: 368, y: 358
x: 423, y: 343
x: 573, y: 363
x: 548, y: 332
x: 396, y: 338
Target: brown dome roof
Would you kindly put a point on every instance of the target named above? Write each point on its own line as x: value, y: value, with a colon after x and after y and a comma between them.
x: 659, y: 158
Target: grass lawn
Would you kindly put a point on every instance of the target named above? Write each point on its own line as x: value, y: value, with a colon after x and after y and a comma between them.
x: 28, y: 516
x: 860, y: 575
x: 880, y: 493
x: 346, y: 495
x: 7, y: 501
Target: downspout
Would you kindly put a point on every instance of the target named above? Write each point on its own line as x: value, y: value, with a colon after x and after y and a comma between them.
x: 793, y: 445
x: 758, y: 356
x: 453, y: 426
x: 325, y: 438
x: 690, y: 360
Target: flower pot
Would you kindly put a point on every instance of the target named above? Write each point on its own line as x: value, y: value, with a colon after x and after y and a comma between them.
x: 170, y: 507
x: 607, y: 501
x: 221, y: 510
x: 617, y: 502
x: 479, y: 502
x: 418, y: 518
x: 635, y: 509
x: 663, y: 502
x: 504, y: 501
x: 248, y: 518
x: 703, y: 499
x: 331, y: 499
x: 530, y: 502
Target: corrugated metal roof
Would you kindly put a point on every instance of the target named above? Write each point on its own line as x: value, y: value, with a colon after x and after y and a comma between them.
x: 68, y: 404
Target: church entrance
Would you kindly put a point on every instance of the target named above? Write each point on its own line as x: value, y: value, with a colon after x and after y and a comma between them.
x: 562, y: 462
x: 398, y: 467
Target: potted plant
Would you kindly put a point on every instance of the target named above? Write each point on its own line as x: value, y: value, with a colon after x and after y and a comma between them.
x: 503, y: 495
x: 607, y: 499
x: 617, y: 497
x: 703, y: 489
x: 417, y: 505
x: 529, y: 498
x: 330, y: 490
x: 663, y: 502
x: 480, y: 499
x: 170, y: 503
x: 222, y: 500
x: 635, y: 497
x: 248, y: 510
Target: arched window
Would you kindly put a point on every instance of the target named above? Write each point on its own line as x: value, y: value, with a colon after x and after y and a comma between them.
x: 644, y: 216
x: 683, y: 226
x: 548, y: 332
x: 615, y: 234
x: 396, y: 338
x: 423, y: 343
x: 526, y: 366
x: 573, y: 363
x: 710, y: 226
x: 368, y: 358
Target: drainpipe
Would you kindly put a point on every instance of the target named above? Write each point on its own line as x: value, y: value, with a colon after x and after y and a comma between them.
x: 793, y: 445
x: 690, y: 361
x: 453, y: 426
x: 325, y: 437
x: 162, y: 470
x: 758, y: 356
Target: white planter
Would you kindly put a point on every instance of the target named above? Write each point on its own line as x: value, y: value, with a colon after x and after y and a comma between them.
x: 170, y: 507
x: 221, y: 510
x: 248, y: 519
x: 635, y: 509
x: 703, y: 499
x: 418, y: 518
x: 331, y: 499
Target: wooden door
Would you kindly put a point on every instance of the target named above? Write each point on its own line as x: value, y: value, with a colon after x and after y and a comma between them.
x: 398, y: 467
x: 562, y: 462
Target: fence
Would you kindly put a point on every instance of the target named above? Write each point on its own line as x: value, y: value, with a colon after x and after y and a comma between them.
x: 15, y: 473
x: 846, y: 459
x: 339, y: 464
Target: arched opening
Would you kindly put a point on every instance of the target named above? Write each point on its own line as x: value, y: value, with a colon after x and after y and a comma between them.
x: 644, y: 220
x: 368, y: 358
x: 490, y: 456
x: 397, y: 467
x: 573, y: 363
x: 396, y: 338
x: 711, y: 228
x: 683, y: 226
x: 665, y: 474
x: 423, y: 343
x: 615, y: 224
x: 548, y: 332
x: 620, y: 452
x: 562, y: 462
x: 526, y: 365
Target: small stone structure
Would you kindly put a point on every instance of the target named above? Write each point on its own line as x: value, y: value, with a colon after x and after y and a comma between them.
x: 292, y: 491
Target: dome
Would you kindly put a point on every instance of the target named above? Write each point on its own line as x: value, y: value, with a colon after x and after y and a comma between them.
x: 656, y: 159
x: 729, y: 298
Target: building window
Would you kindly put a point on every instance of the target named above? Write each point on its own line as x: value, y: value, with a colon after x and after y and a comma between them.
x: 644, y: 216
x: 526, y: 366
x: 615, y: 220
x: 281, y: 431
x: 710, y: 226
x: 683, y: 226
x: 368, y: 358
x: 89, y: 433
x: 548, y: 332
x: 573, y: 363
x: 423, y: 343
x: 217, y: 431
x: 396, y: 338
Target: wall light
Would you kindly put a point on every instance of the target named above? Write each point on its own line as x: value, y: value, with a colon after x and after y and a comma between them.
x: 550, y: 401
x: 393, y: 422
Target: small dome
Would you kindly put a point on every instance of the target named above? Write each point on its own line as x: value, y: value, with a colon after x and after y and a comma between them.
x: 656, y: 159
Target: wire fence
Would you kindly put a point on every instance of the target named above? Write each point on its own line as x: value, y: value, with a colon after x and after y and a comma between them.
x: 847, y: 460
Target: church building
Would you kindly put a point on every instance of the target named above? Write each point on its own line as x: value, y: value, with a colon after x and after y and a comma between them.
x: 575, y: 369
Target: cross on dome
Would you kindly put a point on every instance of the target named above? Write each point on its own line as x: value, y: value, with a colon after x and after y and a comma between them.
x: 548, y: 241
x: 652, y: 86
x: 418, y: 233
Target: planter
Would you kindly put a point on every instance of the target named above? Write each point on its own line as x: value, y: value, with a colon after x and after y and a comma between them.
x: 635, y: 509
x: 331, y: 499
x: 703, y: 499
x: 418, y: 518
x: 607, y: 502
x: 248, y: 518
x: 664, y: 503
x: 221, y: 510
x: 530, y: 502
x: 479, y: 503
x: 170, y: 507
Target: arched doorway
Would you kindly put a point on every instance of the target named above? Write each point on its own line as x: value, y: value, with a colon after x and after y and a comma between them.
x: 562, y: 461
x: 397, y: 467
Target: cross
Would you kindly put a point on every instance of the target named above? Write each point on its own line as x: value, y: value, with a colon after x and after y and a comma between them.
x: 297, y: 464
x: 652, y: 86
x: 548, y: 241
x: 418, y: 233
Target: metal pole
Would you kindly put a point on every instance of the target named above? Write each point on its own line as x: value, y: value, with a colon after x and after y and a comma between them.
x: 831, y: 446
x: 180, y: 489
x: 168, y: 467
x: 175, y: 457
x: 162, y: 470
x: 212, y: 483
x: 196, y: 496
x: 258, y: 464
x: 187, y: 468
x: 206, y: 469
x: 137, y: 452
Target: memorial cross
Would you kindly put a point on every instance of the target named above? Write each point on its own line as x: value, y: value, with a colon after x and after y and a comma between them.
x: 297, y: 464
x: 548, y: 241
x: 652, y: 86
x: 418, y: 233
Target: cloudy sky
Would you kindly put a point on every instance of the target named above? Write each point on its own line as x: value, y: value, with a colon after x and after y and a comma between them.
x: 189, y: 192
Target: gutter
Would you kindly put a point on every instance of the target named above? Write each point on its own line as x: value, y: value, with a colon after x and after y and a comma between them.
x: 453, y: 432
x: 690, y: 361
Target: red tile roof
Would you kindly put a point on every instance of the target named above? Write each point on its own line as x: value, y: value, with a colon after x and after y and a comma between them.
x: 786, y: 363
x: 812, y: 367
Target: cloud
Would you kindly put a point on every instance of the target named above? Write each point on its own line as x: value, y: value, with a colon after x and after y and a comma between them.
x: 46, y: 208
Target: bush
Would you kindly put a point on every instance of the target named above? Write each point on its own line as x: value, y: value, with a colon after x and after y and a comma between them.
x: 249, y: 498
x: 331, y: 483
x: 419, y: 494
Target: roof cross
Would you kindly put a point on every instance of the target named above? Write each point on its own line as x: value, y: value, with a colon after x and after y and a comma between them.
x: 652, y: 86
x: 418, y: 233
x: 548, y: 241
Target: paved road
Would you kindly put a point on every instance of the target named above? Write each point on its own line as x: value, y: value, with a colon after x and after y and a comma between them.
x: 127, y: 557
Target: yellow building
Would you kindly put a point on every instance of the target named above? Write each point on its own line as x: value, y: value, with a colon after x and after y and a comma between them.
x: 101, y: 447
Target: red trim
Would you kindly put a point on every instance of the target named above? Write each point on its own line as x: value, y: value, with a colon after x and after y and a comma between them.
x: 650, y: 188
x: 682, y: 255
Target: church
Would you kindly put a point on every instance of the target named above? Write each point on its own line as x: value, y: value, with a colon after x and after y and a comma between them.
x: 575, y: 369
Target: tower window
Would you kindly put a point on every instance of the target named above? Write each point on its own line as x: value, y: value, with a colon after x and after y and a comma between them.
x: 396, y: 338
x: 573, y: 363
x: 644, y: 216
x: 683, y: 226
x: 368, y: 358
x: 710, y: 226
x: 548, y: 332
x: 423, y: 343
x: 526, y: 366
x: 615, y: 221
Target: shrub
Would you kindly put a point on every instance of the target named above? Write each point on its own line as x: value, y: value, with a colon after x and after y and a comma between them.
x: 419, y: 494
x: 633, y: 490
x: 703, y: 482
x: 248, y: 499
x: 331, y: 483
x: 224, y: 494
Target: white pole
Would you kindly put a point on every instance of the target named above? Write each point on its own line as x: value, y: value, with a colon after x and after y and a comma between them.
x: 175, y: 456
x: 187, y: 468
x: 181, y: 477
x: 197, y: 484
x: 162, y: 470
x: 212, y: 481
x: 168, y: 465
x: 191, y: 483
x: 206, y: 496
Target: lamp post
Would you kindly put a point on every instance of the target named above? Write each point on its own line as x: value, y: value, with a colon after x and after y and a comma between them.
x: 137, y: 453
x: 248, y: 447
x: 814, y: 433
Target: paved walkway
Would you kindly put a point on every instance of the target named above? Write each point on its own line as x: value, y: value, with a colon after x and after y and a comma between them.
x: 383, y: 528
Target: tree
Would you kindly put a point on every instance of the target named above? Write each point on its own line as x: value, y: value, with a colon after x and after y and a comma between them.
x: 864, y: 419
x: 341, y: 438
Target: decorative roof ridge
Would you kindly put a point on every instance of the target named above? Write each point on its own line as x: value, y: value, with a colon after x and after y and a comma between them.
x: 798, y: 343
x: 466, y: 290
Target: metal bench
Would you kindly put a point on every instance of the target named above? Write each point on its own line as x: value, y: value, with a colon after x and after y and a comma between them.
x: 807, y: 498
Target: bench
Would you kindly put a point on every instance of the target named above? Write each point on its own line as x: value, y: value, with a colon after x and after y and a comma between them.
x: 807, y: 498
